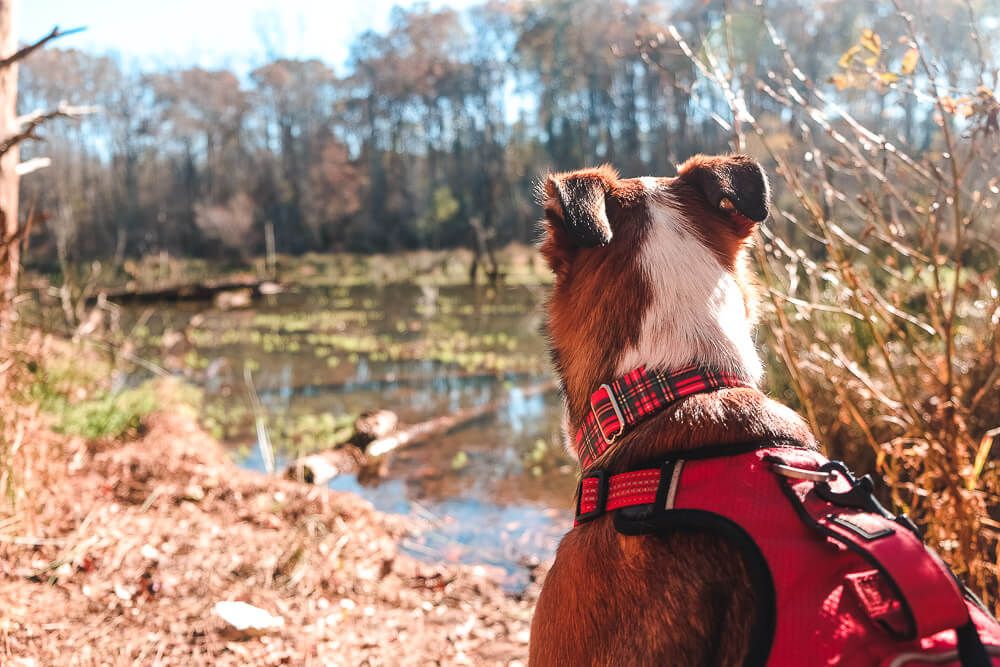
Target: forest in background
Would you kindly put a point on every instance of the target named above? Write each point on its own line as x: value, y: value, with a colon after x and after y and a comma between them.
x: 435, y: 128
x: 878, y: 122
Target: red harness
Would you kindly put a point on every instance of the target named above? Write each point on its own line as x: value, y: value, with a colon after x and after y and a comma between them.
x: 838, y: 580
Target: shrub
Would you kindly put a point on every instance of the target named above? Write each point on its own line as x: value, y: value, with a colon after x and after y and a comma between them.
x: 880, y: 270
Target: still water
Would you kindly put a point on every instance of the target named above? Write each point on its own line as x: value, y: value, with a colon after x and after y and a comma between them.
x: 496, y: 492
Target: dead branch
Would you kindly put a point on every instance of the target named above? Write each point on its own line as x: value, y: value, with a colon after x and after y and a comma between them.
x: 323, y: 466
x: 32, y: 165
x: 32, y: 121
x: 26, y: 51
x: 190, y: 292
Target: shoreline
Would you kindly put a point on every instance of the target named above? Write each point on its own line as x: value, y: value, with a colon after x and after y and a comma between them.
x: 135, y: 542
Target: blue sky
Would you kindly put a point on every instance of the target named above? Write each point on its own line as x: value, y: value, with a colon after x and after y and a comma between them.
x: 210, y: 33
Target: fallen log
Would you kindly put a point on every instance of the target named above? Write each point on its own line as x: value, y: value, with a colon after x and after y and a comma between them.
x: 371, y: 426
x: 321, y: 467
x: 190, y: 292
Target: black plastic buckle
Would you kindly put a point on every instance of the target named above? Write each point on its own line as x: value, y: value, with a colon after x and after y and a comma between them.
x: 602, y: 496
x: 860, y: 496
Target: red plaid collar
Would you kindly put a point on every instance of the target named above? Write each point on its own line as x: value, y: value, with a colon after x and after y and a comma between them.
x: 616, y: 407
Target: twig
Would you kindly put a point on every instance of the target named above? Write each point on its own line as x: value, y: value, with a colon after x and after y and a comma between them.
x: 263, y: 437
x: 26, y: 51
x: 30, y: 122
x: 32, y: 165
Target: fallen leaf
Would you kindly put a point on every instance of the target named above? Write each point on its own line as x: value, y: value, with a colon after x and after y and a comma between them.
x: 848, y: 56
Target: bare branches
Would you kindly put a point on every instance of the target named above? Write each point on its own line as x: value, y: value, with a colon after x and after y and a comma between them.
x: 33, y: 165
x: 876, y: 295
x: 32, y: 121
x: 26, y: 51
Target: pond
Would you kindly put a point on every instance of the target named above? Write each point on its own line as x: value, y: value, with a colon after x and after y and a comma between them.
x: 496, y: 492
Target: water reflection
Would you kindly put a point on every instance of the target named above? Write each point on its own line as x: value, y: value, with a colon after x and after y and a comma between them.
x: 495, y: 492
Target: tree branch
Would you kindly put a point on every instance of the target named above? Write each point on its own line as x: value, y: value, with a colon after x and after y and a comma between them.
x: 30, y: 122
x: 26, y: 51
x: 32, y: 165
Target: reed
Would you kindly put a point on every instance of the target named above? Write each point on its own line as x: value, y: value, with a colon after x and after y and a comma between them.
x: 880, y: 271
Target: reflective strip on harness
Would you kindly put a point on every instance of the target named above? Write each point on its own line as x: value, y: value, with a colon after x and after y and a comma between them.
x: 630, y: 488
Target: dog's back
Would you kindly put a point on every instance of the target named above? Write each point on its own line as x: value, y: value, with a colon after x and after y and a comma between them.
x: 679, y: 598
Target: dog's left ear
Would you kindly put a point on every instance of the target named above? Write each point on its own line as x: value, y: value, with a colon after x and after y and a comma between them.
x: 735, y: 185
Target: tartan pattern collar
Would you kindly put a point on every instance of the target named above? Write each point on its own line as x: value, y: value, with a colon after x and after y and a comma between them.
x: 640, y: 393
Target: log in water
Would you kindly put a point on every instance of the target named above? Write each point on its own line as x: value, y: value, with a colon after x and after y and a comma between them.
x: 323, y: 466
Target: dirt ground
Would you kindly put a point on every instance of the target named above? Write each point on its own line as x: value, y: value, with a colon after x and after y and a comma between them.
x: 133, y: 544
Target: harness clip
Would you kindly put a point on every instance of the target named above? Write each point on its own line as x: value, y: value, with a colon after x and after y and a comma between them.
x: 860, y: 495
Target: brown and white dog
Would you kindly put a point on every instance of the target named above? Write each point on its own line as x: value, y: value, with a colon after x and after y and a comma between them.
x: 651, y: 271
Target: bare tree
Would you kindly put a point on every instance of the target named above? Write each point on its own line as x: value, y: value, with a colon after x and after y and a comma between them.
x: 14, y: 130
x: 9, y: 158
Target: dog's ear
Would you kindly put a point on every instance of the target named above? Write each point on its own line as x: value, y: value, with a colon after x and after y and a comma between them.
x: 575, y: 200
x: 735, y: 185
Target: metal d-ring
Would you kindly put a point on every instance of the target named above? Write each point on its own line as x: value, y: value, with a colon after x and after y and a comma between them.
x: 802, y: 473
x: 610, y: 440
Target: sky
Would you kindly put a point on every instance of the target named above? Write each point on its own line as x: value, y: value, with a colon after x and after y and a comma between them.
x: 211, y: 33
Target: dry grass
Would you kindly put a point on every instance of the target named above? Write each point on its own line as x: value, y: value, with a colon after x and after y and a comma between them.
x: 28, y: 448
x: 881, y: 279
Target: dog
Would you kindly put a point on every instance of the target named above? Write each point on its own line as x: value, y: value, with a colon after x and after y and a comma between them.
x: 652, y: 273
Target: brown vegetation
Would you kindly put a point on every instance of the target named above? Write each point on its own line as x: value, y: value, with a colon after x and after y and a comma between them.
x: 882, y: 268
x: 116, y: 553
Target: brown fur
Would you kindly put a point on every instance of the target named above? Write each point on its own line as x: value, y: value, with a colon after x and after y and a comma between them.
x: 610, y: 599
x: 599, y: 293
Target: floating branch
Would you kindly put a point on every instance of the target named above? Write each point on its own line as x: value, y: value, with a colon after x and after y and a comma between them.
x: 323, y: 466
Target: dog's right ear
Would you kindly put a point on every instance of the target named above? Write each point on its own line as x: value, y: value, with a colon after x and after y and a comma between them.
x: 576, y: 200
x: 575, y: 214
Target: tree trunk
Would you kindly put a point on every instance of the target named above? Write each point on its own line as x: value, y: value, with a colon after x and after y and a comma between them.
x: 9, y: 238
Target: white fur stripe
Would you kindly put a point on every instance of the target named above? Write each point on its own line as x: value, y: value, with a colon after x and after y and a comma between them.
x: 697, y: 313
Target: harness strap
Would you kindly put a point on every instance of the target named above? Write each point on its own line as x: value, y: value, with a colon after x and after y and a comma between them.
x: 600, y: 494
x: 930, y: 596
x: 908, y: 590
x: 640, y: 393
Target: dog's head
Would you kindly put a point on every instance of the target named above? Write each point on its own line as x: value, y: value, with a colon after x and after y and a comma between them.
x: 649, y: 271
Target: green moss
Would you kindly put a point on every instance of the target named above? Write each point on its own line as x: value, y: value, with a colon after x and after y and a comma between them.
x: 109, y: 416
x: 73, y: 391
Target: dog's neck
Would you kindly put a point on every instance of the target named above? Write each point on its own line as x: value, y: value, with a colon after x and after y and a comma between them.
x: 698, y: 311
x: 694, y: 311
